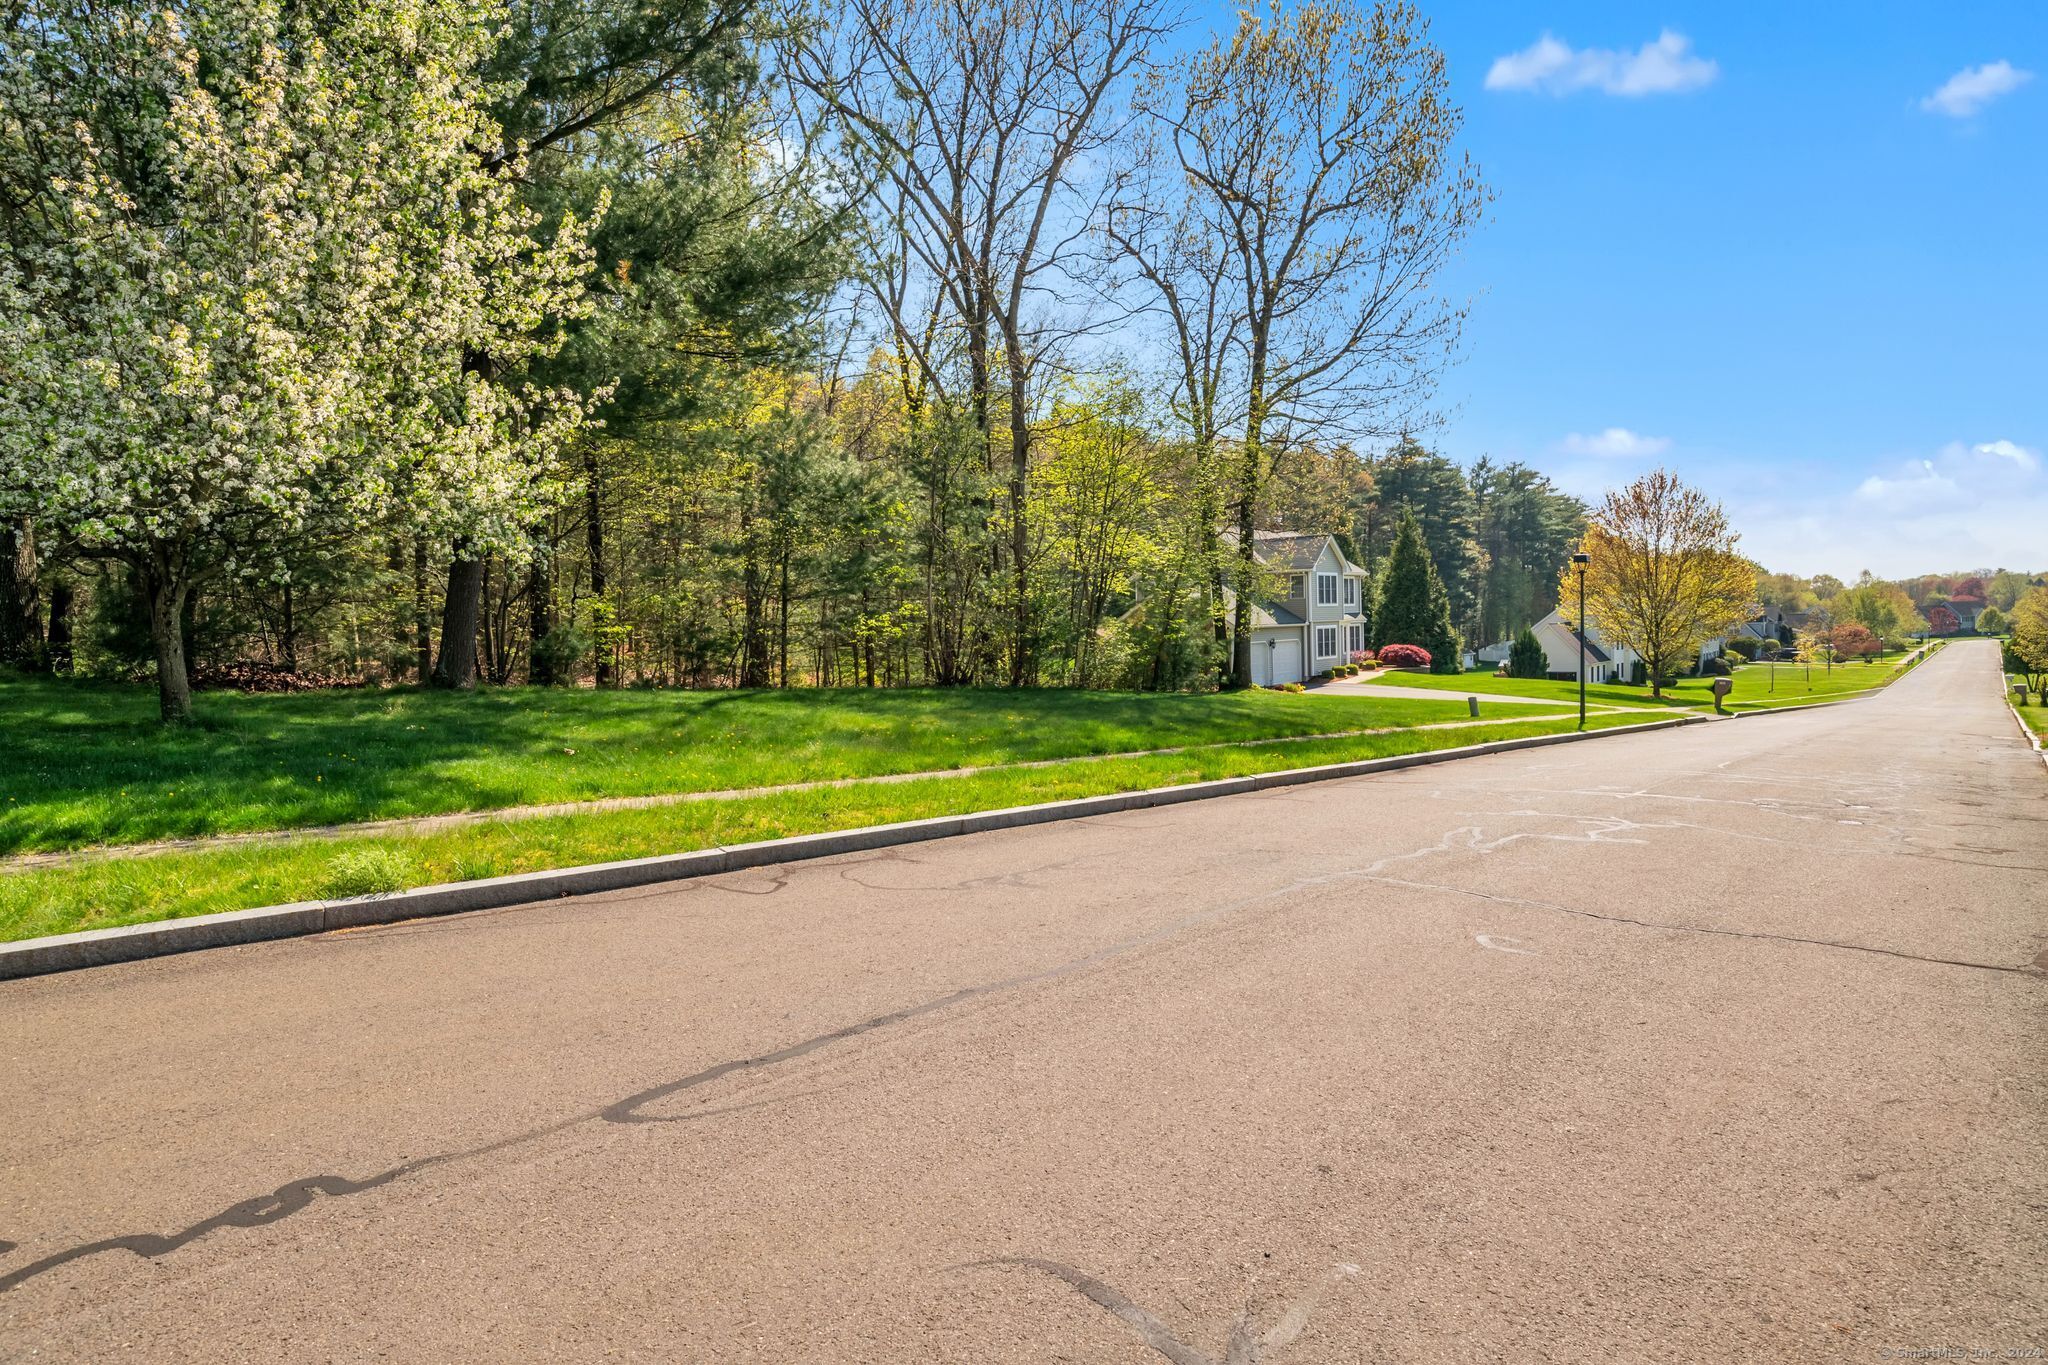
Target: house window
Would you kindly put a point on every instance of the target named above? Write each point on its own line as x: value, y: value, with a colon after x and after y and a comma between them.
x: 1350, y: 592
x: 1326, y: 642
x: 1326, y: 589
x: 1294, y: 582
x: 1357, y: 637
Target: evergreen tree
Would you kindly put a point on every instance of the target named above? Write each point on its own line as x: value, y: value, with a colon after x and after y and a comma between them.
x: 1527, y: 529
x: 1433, y: 489
x: 1413, y: 607
x: 1526, y: 658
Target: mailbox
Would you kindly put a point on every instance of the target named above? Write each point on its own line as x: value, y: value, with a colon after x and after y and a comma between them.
x: 1721, y: 688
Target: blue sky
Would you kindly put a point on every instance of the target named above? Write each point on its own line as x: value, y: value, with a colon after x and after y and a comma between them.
x: 1778, y: 252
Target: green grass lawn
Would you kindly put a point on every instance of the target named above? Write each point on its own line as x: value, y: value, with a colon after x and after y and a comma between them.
x: 83, y: 765
x: 1562, y: 692
x: 107, y: 892
x: 1755, y: 687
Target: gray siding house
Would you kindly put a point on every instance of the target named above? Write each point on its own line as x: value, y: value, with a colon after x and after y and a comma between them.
x: 1317, y: 615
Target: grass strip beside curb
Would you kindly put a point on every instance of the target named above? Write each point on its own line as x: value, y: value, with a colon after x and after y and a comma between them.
x: 172, y: 887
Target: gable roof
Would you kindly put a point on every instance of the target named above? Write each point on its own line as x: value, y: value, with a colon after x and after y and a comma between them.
x: 1594, y: 651
x: 1289, y: 550
x: 1273, y: 614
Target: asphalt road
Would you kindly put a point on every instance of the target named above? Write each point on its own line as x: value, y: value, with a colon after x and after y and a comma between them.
x: 1717, y: 1043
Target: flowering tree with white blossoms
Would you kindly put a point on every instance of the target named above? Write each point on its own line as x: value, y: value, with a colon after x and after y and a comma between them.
x: 253, y: 272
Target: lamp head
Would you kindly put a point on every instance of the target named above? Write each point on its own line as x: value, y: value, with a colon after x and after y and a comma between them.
x: 1582, y: 559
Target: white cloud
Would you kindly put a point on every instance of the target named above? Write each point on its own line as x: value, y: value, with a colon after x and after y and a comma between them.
x: 1967, y: 506
x: 1970, y: 89
x: 1666, y: 66
x: 1615, y: 443
x: 2009, y: 450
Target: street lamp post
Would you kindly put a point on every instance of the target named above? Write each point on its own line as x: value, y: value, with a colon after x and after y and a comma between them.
x: 1579, y: 563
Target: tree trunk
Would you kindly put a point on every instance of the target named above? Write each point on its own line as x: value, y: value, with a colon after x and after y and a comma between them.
x: 540, y: 615
x: 57, y: 645
x: 168, y: 590
x: 782, y: 621
x: 593, y: 533
x: 753, y: 670
x: 288, y: 632
x: 21, y: 627
x: 1248, y: 479
x: 864, y: 645
x: 455, y: 670
x: 1024, y: 660
x: 489, y: 647
x: 1247, y: 564
x: 422, y: 622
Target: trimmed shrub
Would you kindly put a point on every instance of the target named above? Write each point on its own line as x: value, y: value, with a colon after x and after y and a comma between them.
x: 1745, y: 647
x: 1716, y: 668
x: 1404, y: 656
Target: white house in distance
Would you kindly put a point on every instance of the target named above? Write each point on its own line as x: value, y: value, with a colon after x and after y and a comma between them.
x: 1318, y: 618
x: 1562, y: 648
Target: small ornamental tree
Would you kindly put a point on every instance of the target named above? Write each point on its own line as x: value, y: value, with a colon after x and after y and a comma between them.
x: 1991, y: 621
x: 249, y: 264
x: 1405, y: 656
x: 1526, y: 656
x: 1413, y: 607
x: 1854, y: 640
x: 1815, y: 647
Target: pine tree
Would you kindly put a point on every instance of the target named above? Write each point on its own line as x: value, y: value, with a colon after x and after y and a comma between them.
x: 1526, y: 658
x: 1413, y: 607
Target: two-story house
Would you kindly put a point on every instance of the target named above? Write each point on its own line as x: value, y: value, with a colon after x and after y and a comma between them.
x: 1316, y: 617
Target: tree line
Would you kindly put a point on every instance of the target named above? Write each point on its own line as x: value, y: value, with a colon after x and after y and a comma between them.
x: 701, y: 342
x: 724, y: 342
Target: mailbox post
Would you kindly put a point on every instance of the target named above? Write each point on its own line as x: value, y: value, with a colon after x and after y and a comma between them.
x: 1722, y: 687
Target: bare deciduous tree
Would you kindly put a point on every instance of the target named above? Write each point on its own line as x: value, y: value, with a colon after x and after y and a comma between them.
x: 979, y: 118
x: 1316, y: 154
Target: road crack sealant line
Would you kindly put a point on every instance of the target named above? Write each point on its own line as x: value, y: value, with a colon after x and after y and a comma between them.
x: 2036, y: 970
x: 294, y: 1196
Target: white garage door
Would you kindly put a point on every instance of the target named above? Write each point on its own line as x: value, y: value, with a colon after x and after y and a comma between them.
x: 1287, y: 662
x: 1276, y: 660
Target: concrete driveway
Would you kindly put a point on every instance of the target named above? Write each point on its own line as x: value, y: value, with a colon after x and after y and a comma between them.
x: 1717, y: 1043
